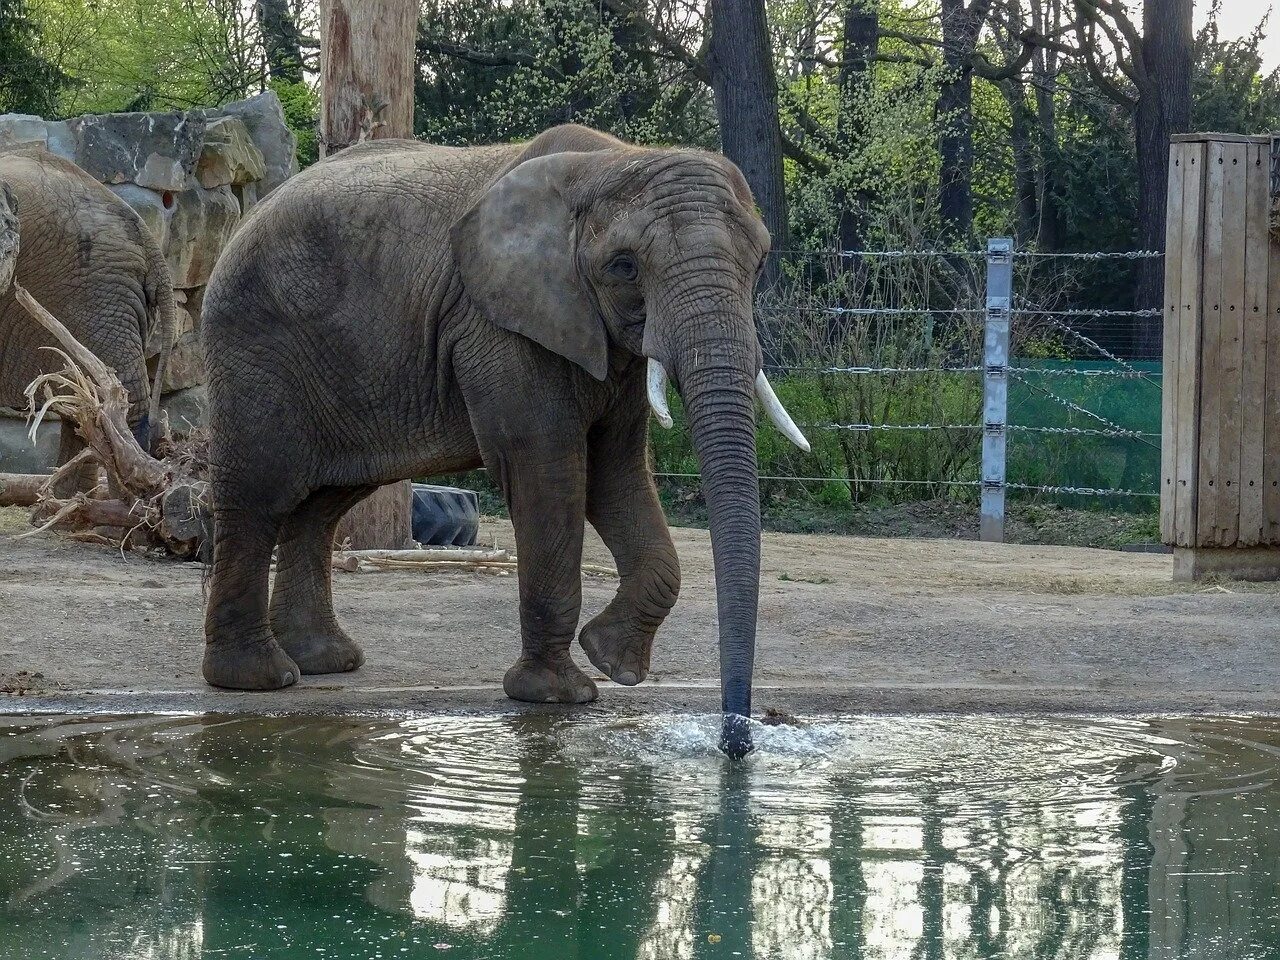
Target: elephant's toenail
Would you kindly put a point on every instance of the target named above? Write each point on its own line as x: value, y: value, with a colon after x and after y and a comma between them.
x: 627, y: 678
x: 287, y: 678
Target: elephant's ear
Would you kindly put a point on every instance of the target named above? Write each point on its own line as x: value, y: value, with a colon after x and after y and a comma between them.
x: 515, y: 251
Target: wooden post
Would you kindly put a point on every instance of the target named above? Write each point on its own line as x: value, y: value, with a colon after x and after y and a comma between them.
x: 366, y: 71
x: 381, y: 521
x: 1220, y: 464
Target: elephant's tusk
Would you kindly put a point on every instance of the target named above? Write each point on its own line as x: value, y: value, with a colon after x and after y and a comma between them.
x: 777, y: 412
x: 658, y: 393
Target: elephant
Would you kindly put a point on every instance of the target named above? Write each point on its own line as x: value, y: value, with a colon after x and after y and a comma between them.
x: 86, y: 255
x: 401, y: 309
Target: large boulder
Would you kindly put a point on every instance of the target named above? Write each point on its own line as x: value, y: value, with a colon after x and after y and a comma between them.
x: 263, y: 117
x: 229, y: 156
x: 155, y: 150
x: 201, y: 223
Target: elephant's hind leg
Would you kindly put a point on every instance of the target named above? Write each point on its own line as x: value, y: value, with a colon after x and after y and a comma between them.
x: 85, y: 478
x: 240, y: 651
x: 301, y: 613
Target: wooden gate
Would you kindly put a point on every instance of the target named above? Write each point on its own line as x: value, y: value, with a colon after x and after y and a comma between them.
x: 1220, y: 466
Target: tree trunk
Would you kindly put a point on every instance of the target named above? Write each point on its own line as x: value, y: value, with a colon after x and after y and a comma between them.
x: 1044, y: 68
x: 366, y: 71
x: 1024, y: 160
x: 856, y: 79
x: 960, y: 27
x: 280, y: 40
x: 1164, y: 108
x: 746, y: 92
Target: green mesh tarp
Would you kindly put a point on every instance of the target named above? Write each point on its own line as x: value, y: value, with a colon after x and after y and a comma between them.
x: 1129, y: 403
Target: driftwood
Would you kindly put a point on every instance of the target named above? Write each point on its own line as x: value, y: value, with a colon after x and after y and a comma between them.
x: 151, y: 502
x: 479, y: 560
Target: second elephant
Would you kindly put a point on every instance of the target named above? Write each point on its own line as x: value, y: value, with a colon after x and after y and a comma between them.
x: 86, y: 255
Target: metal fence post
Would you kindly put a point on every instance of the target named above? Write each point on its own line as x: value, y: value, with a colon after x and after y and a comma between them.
x: 995, y: 387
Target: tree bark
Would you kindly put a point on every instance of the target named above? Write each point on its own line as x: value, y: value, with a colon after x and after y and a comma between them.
x: 1163, y: 109
x: 1025, y: 179
x: 366, y: 71
x: 857, y: 78
x: 280, y: 40
x: 960, y: 28
x: 1044, y: 68
x: 746, y: 92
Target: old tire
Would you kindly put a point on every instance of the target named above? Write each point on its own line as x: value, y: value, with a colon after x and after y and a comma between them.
x: 445, y: 516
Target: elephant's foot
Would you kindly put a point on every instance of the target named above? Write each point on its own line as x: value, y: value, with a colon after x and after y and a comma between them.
x: 618, y: 647
x: 540, y: 681
x: 321, y: 651
x: 255, y: 665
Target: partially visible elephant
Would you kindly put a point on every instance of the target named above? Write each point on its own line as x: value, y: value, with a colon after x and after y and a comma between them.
x: 86, y: 255
x: 401, y: 310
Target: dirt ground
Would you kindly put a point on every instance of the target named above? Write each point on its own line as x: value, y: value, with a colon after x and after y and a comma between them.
x: 846, y: 624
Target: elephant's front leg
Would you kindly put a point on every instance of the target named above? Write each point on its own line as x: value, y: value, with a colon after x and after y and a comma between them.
x: 545, y: 492
x: 623, y: 506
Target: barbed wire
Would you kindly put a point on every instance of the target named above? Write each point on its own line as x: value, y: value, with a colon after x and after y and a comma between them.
x: 882, y: 254
x: 1022, y: 311
x: 867, y: 427
x: 1080, y: 372
x: 1080, y: 431
x: 1079, y: 491
x: 1099, y: 348
x: 1076, y: 408
x: 873, y: 370
x: 928, y: 483
x: 1096, y: 255
x: 873, y: 311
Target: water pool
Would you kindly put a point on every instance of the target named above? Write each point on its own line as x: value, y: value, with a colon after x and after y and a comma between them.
x: 600, y: 837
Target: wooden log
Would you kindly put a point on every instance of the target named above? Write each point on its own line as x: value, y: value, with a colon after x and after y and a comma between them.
x: 366, y: 71
x: 456, y: 554
x: 383, y: 520
x: 20, y: 489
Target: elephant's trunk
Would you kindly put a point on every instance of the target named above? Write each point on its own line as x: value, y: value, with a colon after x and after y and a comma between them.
x: 716, y: 377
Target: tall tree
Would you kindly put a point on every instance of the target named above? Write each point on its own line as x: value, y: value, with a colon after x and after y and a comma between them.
x: 281, y: 40
x: 28, y: 82
x: 740, y: 63
x: 961, y: 25
x: 1154, y: 63
x: 366, y: 71
x: 856, y: 76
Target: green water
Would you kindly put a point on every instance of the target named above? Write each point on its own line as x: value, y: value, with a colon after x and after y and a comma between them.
x: 599, y: 837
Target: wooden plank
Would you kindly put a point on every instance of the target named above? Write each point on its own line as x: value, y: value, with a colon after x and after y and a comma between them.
x: 1253, y: 398
x: 1187, y: 417
x: 1169, y: 385
x: 1220, y: 138
x: 1271, y: 431
x: 1235, y: 171
x: 1210, y: 348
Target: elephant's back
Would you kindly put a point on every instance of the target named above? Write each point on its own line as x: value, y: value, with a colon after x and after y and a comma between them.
x: 69, y: 223
x: 83, y: 253
x: 380, y: 209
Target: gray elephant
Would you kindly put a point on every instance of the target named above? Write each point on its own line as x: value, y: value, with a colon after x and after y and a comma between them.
x: 86, y: 255
x: 401, y: 310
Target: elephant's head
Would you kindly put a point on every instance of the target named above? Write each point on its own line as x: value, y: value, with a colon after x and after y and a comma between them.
x: 654, y: 253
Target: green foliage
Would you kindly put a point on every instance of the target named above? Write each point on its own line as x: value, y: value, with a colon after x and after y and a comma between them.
x: 302, y: 116
x: 547, y: 62
x: 29, y: 82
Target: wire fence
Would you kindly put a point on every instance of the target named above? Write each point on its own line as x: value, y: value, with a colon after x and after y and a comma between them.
x: 1062, y: 397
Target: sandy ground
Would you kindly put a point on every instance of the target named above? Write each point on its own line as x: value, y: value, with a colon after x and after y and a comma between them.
x: 846, y: 624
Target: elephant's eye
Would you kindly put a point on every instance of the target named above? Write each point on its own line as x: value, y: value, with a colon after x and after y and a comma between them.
x: 623, y: 267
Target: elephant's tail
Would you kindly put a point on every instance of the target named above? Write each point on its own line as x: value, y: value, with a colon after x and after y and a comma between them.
x: 163, y: 321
